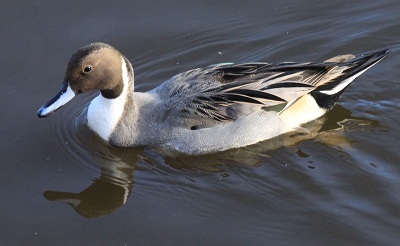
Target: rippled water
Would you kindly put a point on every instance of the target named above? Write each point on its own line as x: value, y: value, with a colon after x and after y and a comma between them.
x: 336, y: 184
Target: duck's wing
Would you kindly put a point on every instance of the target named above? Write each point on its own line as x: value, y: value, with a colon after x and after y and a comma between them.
x: 224, y: 92
x: 204, y: 97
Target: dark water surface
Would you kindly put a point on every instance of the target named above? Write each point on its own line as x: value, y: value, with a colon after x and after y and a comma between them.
x: 337, y: 185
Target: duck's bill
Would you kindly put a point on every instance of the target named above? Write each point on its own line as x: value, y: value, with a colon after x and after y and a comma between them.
x: 63, y: 96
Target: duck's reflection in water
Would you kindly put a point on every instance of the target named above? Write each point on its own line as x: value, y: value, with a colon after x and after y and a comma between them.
x: 112, y: 189
x: 114, y: 186
x: 102, y: 197
x: 108, y: 192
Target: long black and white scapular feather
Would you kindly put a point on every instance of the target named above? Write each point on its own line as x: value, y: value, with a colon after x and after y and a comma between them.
x: 224, y: 92
x: 204, y: 110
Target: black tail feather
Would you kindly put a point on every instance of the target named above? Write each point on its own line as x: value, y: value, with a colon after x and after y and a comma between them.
x: 356, y: 65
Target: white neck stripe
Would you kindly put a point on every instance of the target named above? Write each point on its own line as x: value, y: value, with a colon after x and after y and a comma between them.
x: 104, y: 114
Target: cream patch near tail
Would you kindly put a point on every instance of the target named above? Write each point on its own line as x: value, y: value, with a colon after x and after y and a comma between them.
x: 301, y: 111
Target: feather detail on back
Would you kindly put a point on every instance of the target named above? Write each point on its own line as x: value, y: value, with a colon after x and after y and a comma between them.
x: 204, y: 110
x: 221, y: 93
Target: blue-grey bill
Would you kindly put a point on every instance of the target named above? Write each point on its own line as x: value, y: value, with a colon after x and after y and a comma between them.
x: 63, y: 96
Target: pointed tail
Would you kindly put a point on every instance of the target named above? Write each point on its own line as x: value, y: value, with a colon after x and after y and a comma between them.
x: 327, y: 94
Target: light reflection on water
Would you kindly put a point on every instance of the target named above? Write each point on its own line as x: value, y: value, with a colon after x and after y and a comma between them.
x: 335, y: 183
x: 319, y: 173
x: 117, y: 166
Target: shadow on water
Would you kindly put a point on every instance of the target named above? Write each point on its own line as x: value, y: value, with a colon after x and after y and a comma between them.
x: 113, y: 188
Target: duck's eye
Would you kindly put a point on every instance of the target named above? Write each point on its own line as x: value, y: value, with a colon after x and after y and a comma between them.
x: 87, y: 69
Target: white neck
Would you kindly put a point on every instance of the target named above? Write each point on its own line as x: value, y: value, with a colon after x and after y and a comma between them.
x: 104, y: 114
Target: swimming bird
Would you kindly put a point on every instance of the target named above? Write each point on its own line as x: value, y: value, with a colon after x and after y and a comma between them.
x: 208, y: 109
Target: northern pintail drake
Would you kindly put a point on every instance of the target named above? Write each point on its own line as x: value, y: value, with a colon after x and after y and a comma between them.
x: 204, y: 110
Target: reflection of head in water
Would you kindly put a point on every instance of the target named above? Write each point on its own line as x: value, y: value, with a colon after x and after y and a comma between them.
x: 102, y: 197
x: 114, y: 186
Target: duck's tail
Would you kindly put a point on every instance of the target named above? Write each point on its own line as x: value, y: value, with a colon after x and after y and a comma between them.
x: 314, y: 104
x: 328, y: 93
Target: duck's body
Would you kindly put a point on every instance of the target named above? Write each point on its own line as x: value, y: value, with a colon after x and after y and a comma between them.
x: 204, y: 110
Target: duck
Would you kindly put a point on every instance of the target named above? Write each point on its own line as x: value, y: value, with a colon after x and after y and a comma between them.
x: 204, y: 110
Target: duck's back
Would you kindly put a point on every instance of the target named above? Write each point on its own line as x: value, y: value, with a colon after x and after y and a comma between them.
x: 232, y: 105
